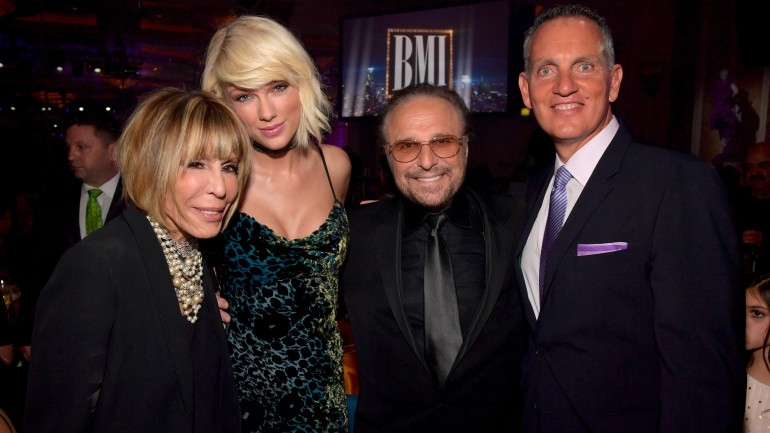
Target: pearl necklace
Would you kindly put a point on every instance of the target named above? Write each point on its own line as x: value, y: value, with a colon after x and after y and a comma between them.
x: 185, y: 264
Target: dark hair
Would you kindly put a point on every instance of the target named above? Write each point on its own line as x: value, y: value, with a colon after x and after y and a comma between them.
x: 761, y: 285
x: 106, y: 127
x: 566, y: 11
x: 406, y: 94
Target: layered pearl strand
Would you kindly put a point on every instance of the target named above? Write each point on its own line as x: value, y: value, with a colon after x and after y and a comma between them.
x: 185, y: 264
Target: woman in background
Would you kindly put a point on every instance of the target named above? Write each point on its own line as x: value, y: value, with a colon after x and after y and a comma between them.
x: 127, y: 333
x: 282, y: 251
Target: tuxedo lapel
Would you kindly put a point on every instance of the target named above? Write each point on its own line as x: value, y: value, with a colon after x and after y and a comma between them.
x: 599, y: 185
x: 387, y: 240
x: 498, y: 236
x: 163, y: 296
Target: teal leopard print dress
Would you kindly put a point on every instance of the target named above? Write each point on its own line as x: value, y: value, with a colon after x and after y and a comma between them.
x: 284, y: 341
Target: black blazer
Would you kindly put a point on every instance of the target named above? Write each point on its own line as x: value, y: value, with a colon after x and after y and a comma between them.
x: 107, y: 353
x: 57, y: 228
x: 397, y: 392
x: 644, y: 339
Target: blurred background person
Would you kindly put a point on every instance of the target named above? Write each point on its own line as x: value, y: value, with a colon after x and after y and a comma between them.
x: 7, y: 395
x: 281, y: 253
x: 69, y: 211
x: 753, y: 209
x: 127, y: 334
x: 15, y: 260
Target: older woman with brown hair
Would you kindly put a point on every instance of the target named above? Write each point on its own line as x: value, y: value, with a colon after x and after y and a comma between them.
x: 127, y: 334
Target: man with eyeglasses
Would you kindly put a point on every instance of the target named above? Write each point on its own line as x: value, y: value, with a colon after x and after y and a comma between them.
x: 438, y: 325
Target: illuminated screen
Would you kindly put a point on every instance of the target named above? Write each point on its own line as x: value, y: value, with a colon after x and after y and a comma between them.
x: 463, y: 47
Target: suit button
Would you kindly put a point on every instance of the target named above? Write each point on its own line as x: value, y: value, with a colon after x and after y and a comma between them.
x: 539, y: 351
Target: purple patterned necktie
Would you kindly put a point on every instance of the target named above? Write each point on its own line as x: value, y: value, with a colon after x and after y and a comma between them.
x: 556, y: 211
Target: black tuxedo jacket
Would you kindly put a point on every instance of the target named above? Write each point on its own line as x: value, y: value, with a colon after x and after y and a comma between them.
x: 57, y: 228
x: 648, y: 338
x: 397, y: 392
x: 107, y: 354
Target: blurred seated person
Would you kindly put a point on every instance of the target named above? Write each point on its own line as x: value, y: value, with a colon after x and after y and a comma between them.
x: 6, y: 224
x: 753, y: 210
x: 127, y: 334
x: 11, y: 378
x: 6, y: 361
x: 6, y: 340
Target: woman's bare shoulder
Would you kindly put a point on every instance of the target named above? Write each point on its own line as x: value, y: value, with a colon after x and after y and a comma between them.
x: 338, y: 162
x: 337, y: 159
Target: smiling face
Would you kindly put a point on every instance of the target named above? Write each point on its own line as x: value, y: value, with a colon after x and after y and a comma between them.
x: 570, y: 86
x: 428, y: 181
x: 203, y: 193
x: 271, y: 113
x: 90, y: 159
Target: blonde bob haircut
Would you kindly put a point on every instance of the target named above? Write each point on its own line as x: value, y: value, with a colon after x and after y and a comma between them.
x: 251, y: 52
x: 169, y: 129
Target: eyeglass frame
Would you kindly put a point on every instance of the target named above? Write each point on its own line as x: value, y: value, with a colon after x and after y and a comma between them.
x: 461, y: 140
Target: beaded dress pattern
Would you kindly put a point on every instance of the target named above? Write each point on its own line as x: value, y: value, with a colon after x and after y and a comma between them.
x: 284, y: 339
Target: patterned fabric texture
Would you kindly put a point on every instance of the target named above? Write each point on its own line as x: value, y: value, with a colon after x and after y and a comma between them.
x: 284, y: 339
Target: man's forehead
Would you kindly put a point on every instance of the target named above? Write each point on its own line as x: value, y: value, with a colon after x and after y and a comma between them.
x: 759, y: 153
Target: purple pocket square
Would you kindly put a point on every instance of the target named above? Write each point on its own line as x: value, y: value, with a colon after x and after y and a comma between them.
x: 591, y: 249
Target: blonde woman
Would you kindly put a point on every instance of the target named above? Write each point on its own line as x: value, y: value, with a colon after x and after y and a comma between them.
x: 127, y: 333
x: 281, y: 254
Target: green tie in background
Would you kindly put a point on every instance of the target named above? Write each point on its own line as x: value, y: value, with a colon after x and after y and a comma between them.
x: 93, y: 211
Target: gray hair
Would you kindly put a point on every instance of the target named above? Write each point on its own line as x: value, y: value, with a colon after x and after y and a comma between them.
x: 567, y: 11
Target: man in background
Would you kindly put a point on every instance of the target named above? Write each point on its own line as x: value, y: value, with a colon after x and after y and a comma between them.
x: 69, y: 212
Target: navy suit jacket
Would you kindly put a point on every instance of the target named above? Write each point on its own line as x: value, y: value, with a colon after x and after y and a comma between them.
x: 649, y: 338
x: 397, y: 392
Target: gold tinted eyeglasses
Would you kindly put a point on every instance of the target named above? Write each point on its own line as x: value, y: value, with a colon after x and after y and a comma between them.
x: 443, y: 146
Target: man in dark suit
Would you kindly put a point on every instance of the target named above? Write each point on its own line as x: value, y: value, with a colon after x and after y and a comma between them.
x: 61, y: 220
x: 428, y: 362
x: 636, y: 309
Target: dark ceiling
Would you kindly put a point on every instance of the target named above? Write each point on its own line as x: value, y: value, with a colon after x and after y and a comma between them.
x: 56, y: 53
x: 60, y: 51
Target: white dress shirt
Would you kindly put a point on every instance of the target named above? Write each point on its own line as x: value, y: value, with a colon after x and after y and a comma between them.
x: 581, y: 165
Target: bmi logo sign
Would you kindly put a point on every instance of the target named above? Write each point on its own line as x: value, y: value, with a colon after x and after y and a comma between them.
x: 418, y: 56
